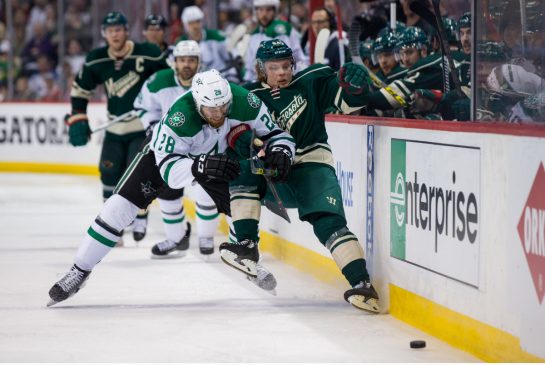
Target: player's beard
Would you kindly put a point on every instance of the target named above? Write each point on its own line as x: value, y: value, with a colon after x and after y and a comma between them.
x: 216, y: 123
x: 186, y: 73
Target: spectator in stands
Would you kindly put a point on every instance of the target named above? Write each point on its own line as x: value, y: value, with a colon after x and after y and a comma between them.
x: 75, y: 56
x: 22, y: 91
x: 39, y: 44
x: 38, y: 15
x: 77, y: 23
x: 38, y: 81
x: 415, y: 20
x: 175, y: 23
x: 322, y: 18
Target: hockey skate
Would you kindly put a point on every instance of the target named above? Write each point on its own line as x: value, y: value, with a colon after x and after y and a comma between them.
x: 68, y: 285
x: 139, y: 227
x: 264, y: 279
x: 206, y: 245
x: 169, y: 249
x: 242, y: 255
x: 363, y: 296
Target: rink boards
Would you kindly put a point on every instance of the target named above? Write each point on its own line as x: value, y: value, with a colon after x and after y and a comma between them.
x: 451, y: 215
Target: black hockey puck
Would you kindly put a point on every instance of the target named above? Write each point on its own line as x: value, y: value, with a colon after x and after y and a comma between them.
x: 418, y: 344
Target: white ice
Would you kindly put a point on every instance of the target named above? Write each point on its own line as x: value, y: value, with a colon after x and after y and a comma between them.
x: 135, y: 309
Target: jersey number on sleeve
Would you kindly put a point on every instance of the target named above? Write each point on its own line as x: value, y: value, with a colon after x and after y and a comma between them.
x: 268, y: 122
x: 169, y: 146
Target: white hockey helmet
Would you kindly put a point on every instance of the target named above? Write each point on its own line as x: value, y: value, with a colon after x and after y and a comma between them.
x: 514, y: 80
x: 210, y: 89
x: 192, y: 13
x: 187, y: 48
x: 260, y: 3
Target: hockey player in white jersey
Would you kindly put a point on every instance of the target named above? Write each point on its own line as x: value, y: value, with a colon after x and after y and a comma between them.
x: 269, y: 27
x: 214, y: 54
x: 157, y: 95
x: 188, y: 144
x: 515, y: 94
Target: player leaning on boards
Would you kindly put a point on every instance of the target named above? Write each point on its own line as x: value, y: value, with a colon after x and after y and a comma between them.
x: 157, y: 95
x: 122, y: 67
x: 298, y: 104
x: 189, y: 143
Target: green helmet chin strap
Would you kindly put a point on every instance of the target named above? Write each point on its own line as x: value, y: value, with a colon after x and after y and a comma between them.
x: 273, y: 49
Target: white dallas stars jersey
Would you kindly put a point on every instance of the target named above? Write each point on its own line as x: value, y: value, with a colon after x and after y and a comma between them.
x: 182, y: 134
x: 157, y: 95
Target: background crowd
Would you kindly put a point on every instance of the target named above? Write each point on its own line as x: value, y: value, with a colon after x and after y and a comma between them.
x: 43, y: 43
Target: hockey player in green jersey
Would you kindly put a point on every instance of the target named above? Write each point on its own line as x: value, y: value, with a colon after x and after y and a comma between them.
x: 188, y: 144
x: 122, y: 67
x: 297, y: 104
x: 384, y: 55
x: 411, y: 46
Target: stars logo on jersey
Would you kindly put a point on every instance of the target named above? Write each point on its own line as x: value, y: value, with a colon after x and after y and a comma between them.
x: 217, y: 92
x: 147, y: 189
x: 253, y: 100
x: 280, y: 29
x: 198, y: 81
x: 177, y: 119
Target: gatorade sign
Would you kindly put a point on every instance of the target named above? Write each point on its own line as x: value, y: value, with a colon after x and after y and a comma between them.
x: 531, y: 229
x: 435, y: 207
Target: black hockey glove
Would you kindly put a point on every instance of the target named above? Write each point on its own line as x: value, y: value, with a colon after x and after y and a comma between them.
x: 278, y: 158
x: 220, y: 167
x: 79, y: 132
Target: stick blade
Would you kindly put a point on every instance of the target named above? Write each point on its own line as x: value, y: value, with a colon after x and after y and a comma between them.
x: 321, y: 45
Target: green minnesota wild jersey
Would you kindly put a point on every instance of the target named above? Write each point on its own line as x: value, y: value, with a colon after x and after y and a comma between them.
x: 122, y: 79
x: 426, y: 73
x: 397, y: 73
x: 183, y: 135
x: 300, y: 109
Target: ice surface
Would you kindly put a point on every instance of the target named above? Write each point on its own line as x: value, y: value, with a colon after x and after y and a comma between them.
x: 135, y: 309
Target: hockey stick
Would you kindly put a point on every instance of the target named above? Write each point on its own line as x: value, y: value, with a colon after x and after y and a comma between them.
x: 277, y: 207
x: 118, y: 119
x: 236, y: 36
x: 434, y: 19
x: 340, y: 35
x: 321, y: 45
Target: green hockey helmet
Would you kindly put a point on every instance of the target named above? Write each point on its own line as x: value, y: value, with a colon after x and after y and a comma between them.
x: 155, y: 20
x: 492, y: 51
x: 273, y: 49
x: 114, y: 18
x: 400, y: 26
x: 464, y: 21
x: 383, y: 44
x: 451, y: 29
x: 412, y: 37
x: 366, y: 50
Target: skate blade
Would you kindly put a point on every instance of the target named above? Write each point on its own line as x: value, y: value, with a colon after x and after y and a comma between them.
x: 358, y: 301
x: 172, y: 255
x: 246, y: 266
x: 260, y: 285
